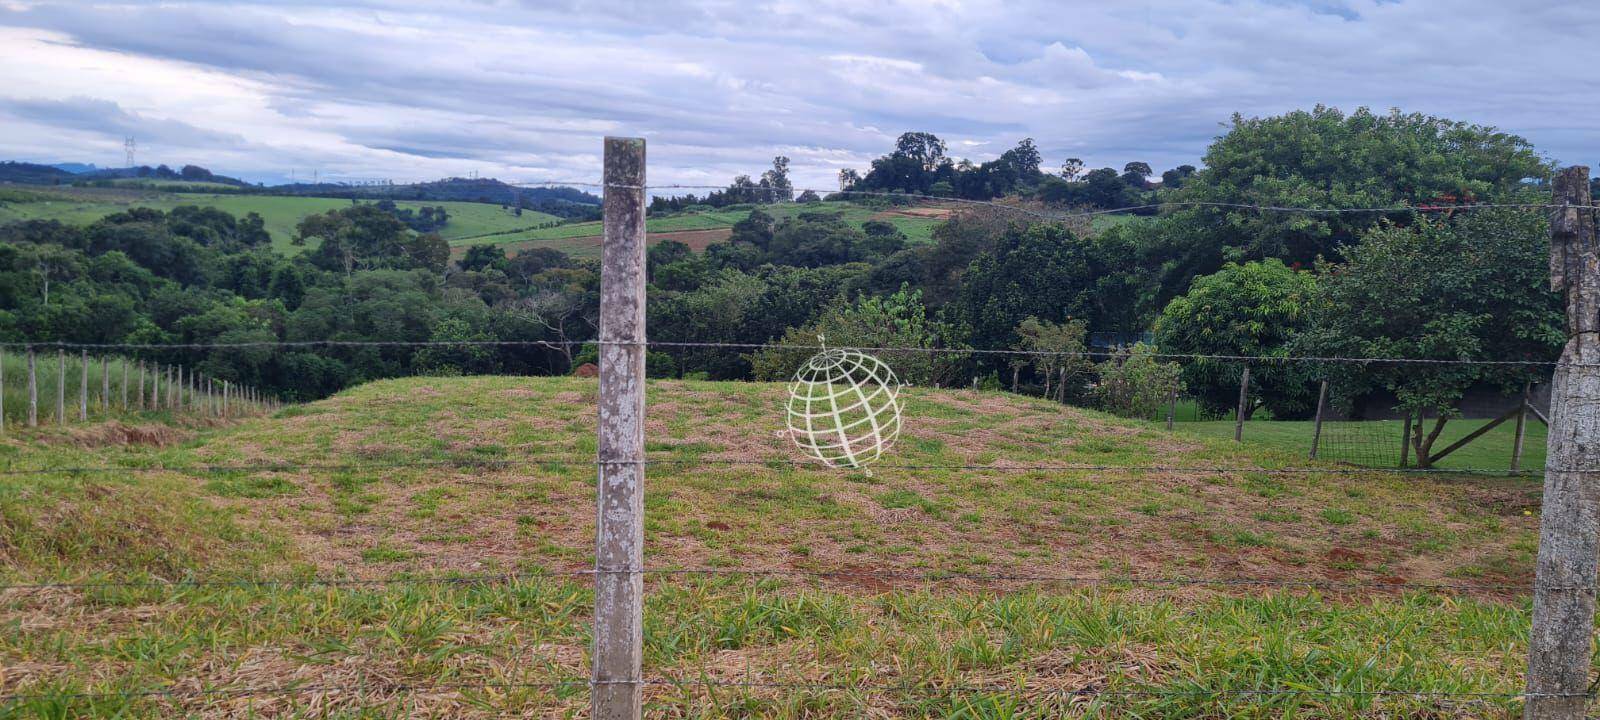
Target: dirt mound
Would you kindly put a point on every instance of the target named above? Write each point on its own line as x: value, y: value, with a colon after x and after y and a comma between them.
x: 960, y: 492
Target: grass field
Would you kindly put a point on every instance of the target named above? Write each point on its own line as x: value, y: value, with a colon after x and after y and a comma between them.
x: 281, y: 213
x: 406, y: 649
x: 584, y: 238
x: 1490, y: 451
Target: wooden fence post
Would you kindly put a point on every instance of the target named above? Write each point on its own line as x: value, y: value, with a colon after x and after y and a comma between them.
x: 1244, y: 397
x: 1316, y: 428
x: 1522, y: 427
x: 33, y: 388
x: 1559, y: 652
x: 619, y: 532
x: 83, y: 387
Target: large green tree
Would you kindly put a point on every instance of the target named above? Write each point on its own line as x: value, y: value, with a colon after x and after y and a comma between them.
x: 1474, y: 286
x: 1253, y: 309
x: 1325, y: 158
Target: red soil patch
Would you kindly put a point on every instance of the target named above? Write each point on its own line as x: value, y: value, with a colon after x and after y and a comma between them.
x: 937, y: 213
x: 697, y: 240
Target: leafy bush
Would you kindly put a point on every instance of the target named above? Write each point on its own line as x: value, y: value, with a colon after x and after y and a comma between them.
x: 1135, y: 383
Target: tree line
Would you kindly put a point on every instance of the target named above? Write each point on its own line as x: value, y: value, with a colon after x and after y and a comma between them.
x: 1422, y: 282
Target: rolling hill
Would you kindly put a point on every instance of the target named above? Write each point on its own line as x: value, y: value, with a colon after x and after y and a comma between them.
x: 281, y: 212
x: 471, y: 223
x: 399, y: 483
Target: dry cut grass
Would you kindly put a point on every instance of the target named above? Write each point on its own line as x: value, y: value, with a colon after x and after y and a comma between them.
x: 506, y: 486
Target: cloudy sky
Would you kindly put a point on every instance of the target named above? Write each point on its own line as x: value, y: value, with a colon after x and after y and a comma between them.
x: 368, y: 89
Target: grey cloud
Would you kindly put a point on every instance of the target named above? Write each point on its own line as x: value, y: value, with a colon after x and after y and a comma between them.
x: 105, y: 117
x: 719, y: 87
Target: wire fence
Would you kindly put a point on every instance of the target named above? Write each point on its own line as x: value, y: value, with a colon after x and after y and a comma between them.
x: 1357, y: 443
x: 930, y: 689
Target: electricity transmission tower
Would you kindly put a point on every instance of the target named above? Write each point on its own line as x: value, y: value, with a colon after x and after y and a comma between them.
x: 130, y: 148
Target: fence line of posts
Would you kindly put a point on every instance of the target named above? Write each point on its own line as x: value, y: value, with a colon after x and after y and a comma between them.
x: 1560, y: 653
x: 144, y: 386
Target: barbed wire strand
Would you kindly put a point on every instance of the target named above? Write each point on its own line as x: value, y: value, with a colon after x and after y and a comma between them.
x: 1146, y: 206
x: 910, y: 576
x: 557, y: 344
x: 573, y: 460
x: 933, y: 688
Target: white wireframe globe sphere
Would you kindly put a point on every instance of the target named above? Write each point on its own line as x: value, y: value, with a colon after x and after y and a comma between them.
x: 844, y: 408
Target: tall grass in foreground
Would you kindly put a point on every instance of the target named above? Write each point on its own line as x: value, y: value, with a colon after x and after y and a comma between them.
x: 772, y: 650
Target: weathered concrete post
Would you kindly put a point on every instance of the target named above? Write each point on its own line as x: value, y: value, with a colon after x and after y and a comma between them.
x: 1522, y: 427
x: 1569, y: 523
x: 33, y: 388
x: 1172, y: 407
x: 83, y: 386
x: 1244, y: 398
x: 61, y: 386
x: 125, y: 364
x: 105, y: 385
x: 1405, y: 440
x: 619, y: 536
x: 1316, y: 428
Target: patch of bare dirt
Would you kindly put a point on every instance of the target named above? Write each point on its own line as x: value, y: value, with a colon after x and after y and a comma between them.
x: 935, y: 213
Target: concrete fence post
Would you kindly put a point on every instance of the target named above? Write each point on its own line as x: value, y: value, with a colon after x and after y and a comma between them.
x: 61, y: 386
x: 1316, y: 428
x: 83, y: 386
x: 1244, y: 399
x: 33, y: 388
x: 619, y: 532
x: 1559, y: 650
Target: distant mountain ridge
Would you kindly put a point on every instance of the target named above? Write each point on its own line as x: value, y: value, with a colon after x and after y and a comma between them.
x: 33, y: 174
